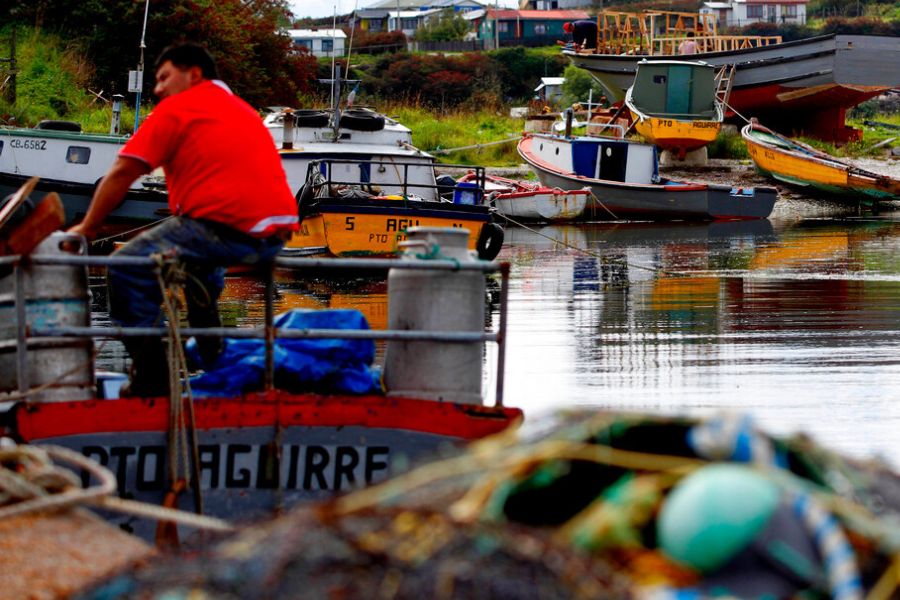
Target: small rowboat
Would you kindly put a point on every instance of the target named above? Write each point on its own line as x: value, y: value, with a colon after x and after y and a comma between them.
x: 532, y: 201
x: 675, y: 104
x: 797, y: 164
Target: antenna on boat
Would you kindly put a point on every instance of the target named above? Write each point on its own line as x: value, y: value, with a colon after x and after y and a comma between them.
x: 136, y: 81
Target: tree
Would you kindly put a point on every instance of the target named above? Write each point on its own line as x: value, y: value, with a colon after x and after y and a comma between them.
x: 448, y: 26
x: 245, y: 36
x: 578, y: 86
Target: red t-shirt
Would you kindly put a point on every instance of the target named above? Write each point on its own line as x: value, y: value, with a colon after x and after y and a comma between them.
x: 219, y: 159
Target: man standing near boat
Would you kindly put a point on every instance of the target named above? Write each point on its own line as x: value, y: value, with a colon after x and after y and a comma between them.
x: 688, y: 46
x: 228, y: 194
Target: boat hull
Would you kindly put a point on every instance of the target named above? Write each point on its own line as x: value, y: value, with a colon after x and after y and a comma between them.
x: 260, y: 453
x: 372, y: 227
x: 676, y: 135
x: 543, y: 205
x: 805, y: 84
x: 141, y: 206
x: 672, y: 200
x: 801, y: 166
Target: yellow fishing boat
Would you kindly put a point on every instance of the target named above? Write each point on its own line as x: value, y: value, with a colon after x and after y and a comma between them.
x: 677, y: 105
x: 347, y: 219
x: 798, y: 164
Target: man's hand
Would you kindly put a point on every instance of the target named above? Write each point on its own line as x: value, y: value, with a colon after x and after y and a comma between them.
x: 82, y: 230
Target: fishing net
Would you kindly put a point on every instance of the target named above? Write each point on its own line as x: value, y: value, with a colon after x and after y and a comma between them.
x: 585, y: 505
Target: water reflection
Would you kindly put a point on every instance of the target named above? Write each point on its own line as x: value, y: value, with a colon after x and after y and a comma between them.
x: 797, y: 321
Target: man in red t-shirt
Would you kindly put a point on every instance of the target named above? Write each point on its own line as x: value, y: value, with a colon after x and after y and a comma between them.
x: 227, y: 191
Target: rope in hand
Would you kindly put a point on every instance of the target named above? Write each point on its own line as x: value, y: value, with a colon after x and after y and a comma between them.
x: 130, y: 231
x: 30, y: 482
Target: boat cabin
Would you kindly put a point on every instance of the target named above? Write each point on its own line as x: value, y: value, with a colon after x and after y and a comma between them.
x: 677, y: 89
x: 599, y: 158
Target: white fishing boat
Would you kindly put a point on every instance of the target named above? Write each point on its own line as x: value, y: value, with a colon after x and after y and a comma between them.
x: 71, y: 163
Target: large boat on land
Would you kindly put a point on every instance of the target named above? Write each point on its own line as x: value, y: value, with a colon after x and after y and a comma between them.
x: 802, y: 85
x: 677, y: 105
x: 801, y: 165
x: 624, y: 180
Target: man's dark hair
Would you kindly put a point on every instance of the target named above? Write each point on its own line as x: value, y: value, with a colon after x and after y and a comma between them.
x: 690, y: 34
x: 187, y: 55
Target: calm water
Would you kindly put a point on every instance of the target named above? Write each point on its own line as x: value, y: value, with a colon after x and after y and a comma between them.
x: 794, y: 320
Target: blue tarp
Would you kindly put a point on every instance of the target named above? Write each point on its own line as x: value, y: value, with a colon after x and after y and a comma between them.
x: 301, y: 365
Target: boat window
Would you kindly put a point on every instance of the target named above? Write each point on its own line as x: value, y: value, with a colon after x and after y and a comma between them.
x: 79, y: 155
x: 659, y: 79
x: 557, y: 150
x: 1, y: 147
x: 542, y: 147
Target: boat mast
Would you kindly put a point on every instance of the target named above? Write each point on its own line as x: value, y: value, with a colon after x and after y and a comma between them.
x: 140, y: 70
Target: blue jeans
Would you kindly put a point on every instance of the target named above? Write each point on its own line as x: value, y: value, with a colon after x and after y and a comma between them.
x: 205, y: 248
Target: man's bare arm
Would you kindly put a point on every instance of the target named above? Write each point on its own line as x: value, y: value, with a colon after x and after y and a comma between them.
x: 110, y: 193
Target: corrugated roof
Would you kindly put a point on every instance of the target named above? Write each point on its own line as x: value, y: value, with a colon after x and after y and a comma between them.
x: 316, y: 33
x: 538, y: 15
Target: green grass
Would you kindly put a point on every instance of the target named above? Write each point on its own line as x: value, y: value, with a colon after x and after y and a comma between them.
x: 433, y: 130
x: 728, y: 145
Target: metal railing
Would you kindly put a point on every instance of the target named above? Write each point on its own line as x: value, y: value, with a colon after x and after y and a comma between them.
x: 267, y: 331
x: 327, y: 178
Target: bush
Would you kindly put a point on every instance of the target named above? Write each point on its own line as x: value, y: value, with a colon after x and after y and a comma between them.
x: 578, y: 86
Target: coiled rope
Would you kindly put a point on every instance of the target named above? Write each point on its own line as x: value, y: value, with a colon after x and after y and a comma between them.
x: 30, y: 482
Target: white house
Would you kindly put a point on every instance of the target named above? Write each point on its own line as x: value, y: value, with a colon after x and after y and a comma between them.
x: 321, y: 42
x: 410, y: 20
x: 743, y: 12
x: 550, y: 88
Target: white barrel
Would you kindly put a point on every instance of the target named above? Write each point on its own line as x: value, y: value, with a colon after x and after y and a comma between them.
x: 59, y: 369
x: 420, y: 300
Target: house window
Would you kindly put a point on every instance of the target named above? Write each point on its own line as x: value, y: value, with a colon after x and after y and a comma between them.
x: 754, y: 11
x: 540, y: 29
x: 327, y: 45
x: 789, y: 10
x: 409, y: 23
x: 304, y: 44
x: 503, y: 26
x: 78, y: 155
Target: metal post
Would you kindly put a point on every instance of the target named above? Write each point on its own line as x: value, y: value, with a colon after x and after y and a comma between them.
x: 116, y: 114
x: 501, y: 332
x: 270, y: 329
x: 21, y: 331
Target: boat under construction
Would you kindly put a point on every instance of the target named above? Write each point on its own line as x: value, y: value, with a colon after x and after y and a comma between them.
x: 803, y: 85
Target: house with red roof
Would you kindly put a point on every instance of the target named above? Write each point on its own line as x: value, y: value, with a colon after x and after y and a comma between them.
x: 511, y: 27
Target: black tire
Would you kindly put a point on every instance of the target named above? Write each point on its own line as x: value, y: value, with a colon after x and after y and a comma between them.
x: 310, y: 118
x: 489, y: 241
x: 59, y: 125
x: 362, y: 120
